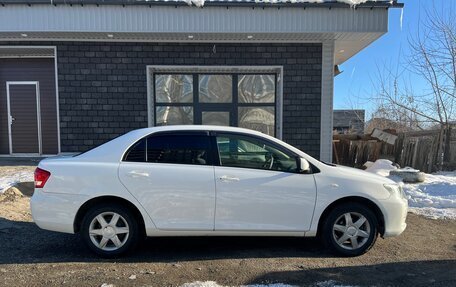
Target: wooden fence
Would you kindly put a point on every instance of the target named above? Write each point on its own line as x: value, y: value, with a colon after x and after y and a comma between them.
x: 354, y: 151
x: 419, y: 150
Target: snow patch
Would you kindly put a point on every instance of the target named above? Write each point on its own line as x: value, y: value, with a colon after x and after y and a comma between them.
x: 10, y: 178
x: 201, y: 284
x: 331, y: 283
x: 351, y: 2
x: 434, y: 198
x: 434, y: 213
x: 328, y: 283
x: 200, y: 3
x: 381, y: 167
x: 197, y: 3
x: 214, y: 284
x: 270, y: 285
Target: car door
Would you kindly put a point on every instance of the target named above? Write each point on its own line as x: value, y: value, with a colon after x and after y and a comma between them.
x: 258, y: 187
x: 172, y: 176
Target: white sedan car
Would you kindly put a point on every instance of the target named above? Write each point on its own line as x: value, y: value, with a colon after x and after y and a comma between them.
x: 209, y: 180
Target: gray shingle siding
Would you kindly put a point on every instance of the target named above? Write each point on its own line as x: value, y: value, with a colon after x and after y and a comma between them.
x: 103, y: 90
x: 103, y: 86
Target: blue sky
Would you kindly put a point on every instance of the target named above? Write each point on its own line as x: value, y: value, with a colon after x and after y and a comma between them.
x: 354, y: 85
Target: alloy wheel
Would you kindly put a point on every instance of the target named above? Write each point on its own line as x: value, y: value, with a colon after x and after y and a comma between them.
x: 109, y: 231
x: 351, y: 230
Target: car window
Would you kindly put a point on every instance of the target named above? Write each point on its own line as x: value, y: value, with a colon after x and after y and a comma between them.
x: 182, y: 149
x: 179, y: 149
x: 137, y: 152
x: 249, y: 152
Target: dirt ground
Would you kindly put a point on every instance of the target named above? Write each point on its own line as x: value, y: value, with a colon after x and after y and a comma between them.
x: 425, y: 255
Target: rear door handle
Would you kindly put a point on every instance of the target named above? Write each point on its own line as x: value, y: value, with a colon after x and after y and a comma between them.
x: 226, y: 178
x: 138, y: 174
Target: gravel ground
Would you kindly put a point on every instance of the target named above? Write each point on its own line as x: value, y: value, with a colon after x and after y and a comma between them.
x: 425, y: 255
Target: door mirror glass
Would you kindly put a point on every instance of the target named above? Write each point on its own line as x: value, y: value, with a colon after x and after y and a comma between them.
x: 304, y: 165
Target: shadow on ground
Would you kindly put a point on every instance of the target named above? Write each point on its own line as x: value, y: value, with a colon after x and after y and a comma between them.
x: 24, y: 242
x: 26, y: 188
x: 20, y: 161
x: 415, y: 273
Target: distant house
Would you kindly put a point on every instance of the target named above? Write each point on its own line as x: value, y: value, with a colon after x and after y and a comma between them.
x: 386, y: 124
x: 74, y: 74
x: 348, y: 121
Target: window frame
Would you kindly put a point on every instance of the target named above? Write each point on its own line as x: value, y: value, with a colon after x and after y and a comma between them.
x: 231, y: 107
x: 210, y: 153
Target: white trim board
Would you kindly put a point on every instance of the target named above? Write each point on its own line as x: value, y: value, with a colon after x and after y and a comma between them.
x: 57, y: 108
x: 327, y: 90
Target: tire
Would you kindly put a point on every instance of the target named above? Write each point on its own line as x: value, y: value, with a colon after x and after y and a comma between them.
x: 110, y: 239
x: 350, y: 229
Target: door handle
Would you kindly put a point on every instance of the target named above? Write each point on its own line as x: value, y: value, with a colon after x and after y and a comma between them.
x: 138, y: 174
x: 226, y: 178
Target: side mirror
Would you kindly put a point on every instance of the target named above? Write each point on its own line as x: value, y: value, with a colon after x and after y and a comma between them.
x: 304, y: 165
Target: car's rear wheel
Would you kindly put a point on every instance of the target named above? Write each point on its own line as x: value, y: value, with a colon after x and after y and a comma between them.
x: 110, y: 230
x: 350, y: 229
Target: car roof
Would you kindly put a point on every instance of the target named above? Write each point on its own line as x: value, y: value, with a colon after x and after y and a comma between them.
x: 114, y: 149
x: 197, y: 128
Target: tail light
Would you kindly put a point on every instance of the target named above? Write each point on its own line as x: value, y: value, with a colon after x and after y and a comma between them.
x: 41, y: 176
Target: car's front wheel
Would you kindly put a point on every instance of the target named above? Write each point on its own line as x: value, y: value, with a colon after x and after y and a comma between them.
x: 350, y: 229
x: 110, y: 230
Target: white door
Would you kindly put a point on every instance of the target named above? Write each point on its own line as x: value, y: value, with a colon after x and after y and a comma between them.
x: 258, y: 188
x: 173, y: 178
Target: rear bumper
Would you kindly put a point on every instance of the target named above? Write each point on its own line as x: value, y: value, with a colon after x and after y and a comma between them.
x: 55, y: 211
x: 395, y: 214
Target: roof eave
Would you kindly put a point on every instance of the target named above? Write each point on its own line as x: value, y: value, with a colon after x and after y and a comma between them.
x: 369, y: 4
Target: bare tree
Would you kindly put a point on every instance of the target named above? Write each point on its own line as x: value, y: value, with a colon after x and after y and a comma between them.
x: 432, y: 59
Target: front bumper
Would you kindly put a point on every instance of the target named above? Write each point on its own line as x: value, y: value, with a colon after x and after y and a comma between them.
x: 395, y: 213
x: 55, y: 211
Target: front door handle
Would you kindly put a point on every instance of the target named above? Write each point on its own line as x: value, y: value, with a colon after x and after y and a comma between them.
x: 226, y: 178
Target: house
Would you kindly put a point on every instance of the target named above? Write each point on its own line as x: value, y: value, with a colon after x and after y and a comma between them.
x: 74, y: 74
x: 348, y: 121
x: 382, y: 123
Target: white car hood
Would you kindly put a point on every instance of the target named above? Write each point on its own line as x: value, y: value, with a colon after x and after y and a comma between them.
x: 360, y: 175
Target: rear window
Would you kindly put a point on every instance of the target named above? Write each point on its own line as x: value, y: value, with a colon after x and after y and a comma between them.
x: 177, y: 149
x: 137, y: 153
